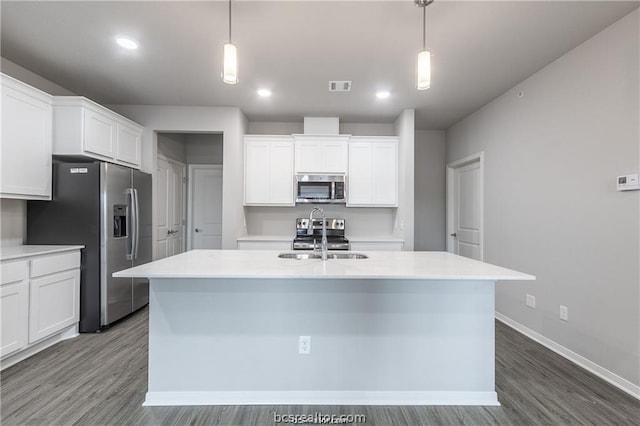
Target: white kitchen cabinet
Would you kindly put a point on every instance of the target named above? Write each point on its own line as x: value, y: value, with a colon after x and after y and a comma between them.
x: 14, y: 306
x: 321, y: 154
x: 373, y: 172
x: 268, y: 171
x: 40, y: 296
x: 259, y: 244
x: 365, y: 246
x: 82, y: 128
x: 25, y: 152
x: 54, y: 294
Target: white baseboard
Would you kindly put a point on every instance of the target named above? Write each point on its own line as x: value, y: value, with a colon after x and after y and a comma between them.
x: 321, y: 398
x: 617, y: 381
x: 68, y: 333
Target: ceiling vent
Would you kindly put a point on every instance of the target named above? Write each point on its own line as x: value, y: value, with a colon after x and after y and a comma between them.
x: 339, y: 86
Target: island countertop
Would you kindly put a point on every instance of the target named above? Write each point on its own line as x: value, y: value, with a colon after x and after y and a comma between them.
x: 266, y: 264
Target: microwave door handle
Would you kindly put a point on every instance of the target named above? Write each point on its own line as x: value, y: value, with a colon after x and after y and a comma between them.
x: 130, y: 225
x: 332, y: 195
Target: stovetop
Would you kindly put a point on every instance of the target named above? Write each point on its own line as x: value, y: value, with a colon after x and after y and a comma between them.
x: 335, y: 234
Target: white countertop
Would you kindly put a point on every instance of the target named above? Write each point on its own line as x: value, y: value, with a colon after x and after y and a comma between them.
x: 287, y: 238
x: 266, y: 264
x: 17, y: 252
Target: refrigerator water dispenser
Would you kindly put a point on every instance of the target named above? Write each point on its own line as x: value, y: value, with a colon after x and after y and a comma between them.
x: 119, y: 220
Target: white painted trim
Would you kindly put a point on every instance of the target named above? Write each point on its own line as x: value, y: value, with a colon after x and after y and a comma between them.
x: 190, y: 171
x: 608, y: 376
x: 487, y: 398
x: 451, y: 167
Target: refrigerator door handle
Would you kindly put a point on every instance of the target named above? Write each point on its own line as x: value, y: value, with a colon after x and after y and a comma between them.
x: 131, y: 214
x: 136, y: 234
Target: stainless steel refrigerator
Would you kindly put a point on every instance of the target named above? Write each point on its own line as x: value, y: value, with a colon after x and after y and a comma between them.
x: 107, y: 208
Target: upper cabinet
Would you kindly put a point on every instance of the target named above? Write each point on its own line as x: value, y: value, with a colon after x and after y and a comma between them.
x: 373, y: 171
x: 25, y: 151
x: 268, y: 171
x: 83, y: 128
x: 322, y: 154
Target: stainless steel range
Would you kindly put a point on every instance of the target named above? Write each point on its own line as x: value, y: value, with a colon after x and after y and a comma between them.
x: 335, y: 234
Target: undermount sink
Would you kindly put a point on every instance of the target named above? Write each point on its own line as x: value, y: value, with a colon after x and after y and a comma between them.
x: 303, y: 256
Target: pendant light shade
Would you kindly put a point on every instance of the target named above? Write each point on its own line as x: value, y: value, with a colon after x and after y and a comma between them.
x: 423, y: 71
x: 230, y: 64
x: 230, y: 58
x: 423, y: 80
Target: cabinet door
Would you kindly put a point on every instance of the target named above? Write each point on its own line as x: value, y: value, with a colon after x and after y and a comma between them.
x: 384, y: 160
x: 360, y: 174
x: 334, y: 157
x: 25, y: 152
x: 99, y: 133
x: 373, y: 174
x: 256, y: 172
x: 128, y: 145
x: 281, y: 173
x: 14, y: 307
x: 54, y: 303
x: 308, y: 157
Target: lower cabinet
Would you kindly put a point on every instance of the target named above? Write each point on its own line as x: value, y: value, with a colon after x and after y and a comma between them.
x: 264, y: 245
x: 377, y: 246
x: 14, y: 306
x: 39, y: 297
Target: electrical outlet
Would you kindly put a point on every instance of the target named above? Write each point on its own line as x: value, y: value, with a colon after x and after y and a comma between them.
x: 564, y: 313
x: 531, y: 301
x: 304, y: 345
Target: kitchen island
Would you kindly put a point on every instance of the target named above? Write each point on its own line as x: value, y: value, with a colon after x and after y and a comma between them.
x: 397, y: 328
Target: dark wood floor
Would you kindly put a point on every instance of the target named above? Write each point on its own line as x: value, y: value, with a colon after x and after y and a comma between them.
x: 100, y: 379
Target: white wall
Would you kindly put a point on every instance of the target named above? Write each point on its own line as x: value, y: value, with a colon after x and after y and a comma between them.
x: 204, y: 148
x: 172, y: 145
x: 231, y: 122
x: 16, y: 71
x: 430, y: 190
x: 404, y: 127
x: 551, y: 207
x: 294, y: 127
x: 13, y: 226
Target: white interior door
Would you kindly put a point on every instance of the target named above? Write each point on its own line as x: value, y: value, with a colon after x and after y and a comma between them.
x: 465, y: 207
x: 170, y: 205
x: 206, y: 206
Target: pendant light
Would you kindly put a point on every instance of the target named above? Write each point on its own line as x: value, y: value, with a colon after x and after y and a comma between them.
x: 230, y: 58
x: 423, y: 74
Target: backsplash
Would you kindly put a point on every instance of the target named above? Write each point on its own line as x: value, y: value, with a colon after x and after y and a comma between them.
x: 13, y: 222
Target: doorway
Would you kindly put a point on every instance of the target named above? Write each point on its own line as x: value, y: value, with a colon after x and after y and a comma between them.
x: 465, y: 207
x: 184, y: 159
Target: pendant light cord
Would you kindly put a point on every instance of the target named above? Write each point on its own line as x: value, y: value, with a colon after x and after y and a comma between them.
x: 424, y: 27
x: 229, y: 21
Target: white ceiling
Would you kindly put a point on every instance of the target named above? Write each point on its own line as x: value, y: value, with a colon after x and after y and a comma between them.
x: 480, y: 50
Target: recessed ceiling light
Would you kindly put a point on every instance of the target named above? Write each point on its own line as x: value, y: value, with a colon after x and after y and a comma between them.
x: 127, y: 43
x: 264, y: 93
x: 383, y: 95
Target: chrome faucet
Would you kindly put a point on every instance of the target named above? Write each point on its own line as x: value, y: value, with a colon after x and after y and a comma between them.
x: 324, y: 230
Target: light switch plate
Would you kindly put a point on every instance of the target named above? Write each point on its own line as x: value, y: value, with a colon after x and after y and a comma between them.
x: 628, y: 182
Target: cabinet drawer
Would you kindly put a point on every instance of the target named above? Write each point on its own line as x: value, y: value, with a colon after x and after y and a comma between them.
x: 55, y: 263
x: 14, y: 271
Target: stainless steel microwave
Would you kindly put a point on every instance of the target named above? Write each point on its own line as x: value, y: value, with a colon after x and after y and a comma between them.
x: 320, y: 189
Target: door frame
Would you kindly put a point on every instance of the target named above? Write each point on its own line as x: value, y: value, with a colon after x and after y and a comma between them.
x: 190, y: 182
x: 451, y: 169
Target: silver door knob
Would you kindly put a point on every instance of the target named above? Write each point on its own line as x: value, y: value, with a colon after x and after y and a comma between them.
x: 198, y: 230
x: 454, y: 235
x: 171, y: 232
